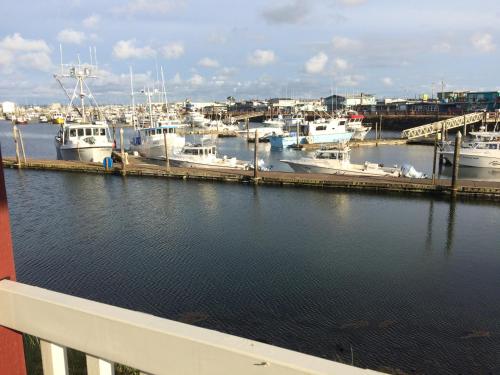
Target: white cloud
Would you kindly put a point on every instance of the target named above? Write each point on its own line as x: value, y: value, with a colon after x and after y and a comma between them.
x: 483, y: 42
x: 15, y: 51
x: 343, y: 43
x: 261, y: 57
x: 91, y: 21
x: 36, y: 60
x: 17, y: 43
x: 217, y: 38
x: 150, y: 6
x: 207, y: 62
x: 387, y: 81
x: 350, y: 80
x: 443, y: 47
x: 340, y: 64
x: 126, y: 49
x: 292, y: 12
x: 196, y: 80
x: 71, y: 36
x: 173, y: 50
x: 352, y: 2
x: 317, y: 63
x: 177, y: 80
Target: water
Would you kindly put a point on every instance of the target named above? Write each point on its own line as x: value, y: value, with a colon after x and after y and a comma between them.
x: 408, y: 283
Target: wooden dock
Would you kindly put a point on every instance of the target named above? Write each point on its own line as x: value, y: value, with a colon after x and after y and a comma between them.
x: 138, y: 167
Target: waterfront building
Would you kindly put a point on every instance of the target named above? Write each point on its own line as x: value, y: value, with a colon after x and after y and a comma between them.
x: 483, y: 101
x: 334, y: 102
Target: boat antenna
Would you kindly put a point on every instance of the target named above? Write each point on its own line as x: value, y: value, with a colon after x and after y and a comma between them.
x: 163, y: 88
x: 61, y: 55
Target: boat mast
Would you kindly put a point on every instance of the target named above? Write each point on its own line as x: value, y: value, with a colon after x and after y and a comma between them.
x: 132, y: 97
x: 150, y: 107
x: 163, y: 88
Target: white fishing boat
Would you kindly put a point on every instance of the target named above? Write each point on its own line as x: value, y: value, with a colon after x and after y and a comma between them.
x: 322, y: 130
x: 149, y: 138
x: 355, y: 126
x: 87, y: 141
x: 483, y: 151
x: 479, y: 154
x: 205, y: 156
x: 336, y: 160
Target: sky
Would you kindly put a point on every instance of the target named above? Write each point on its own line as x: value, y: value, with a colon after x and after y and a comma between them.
x: 210, y: 50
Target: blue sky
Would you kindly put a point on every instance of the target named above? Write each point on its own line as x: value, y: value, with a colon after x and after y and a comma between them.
x: 212, y: 49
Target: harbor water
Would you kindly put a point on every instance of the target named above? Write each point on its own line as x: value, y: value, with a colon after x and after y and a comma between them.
x: 387, y: 282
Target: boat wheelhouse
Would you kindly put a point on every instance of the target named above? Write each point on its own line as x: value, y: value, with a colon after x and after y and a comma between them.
x: 150, y: 142
x: 315, y: 132
x: 205, y: 156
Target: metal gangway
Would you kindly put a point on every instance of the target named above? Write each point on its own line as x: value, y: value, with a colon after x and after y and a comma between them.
x: 439, y: 126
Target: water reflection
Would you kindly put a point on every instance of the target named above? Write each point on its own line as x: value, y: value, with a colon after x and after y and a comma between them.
x: 450, y: 227
x: 430, y: 219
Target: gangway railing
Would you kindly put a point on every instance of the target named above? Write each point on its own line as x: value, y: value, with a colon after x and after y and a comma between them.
x: 439, y: 126
x: 109, y: 334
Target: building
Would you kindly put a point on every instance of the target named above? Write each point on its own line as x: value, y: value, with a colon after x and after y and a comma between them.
x: 365, y: 101
x: 8, y: 108
x: 483, y: 101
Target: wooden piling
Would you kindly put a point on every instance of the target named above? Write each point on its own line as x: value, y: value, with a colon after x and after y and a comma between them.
x: 14, y: 131
x: 456, y: 158
x: 255, y: 157
x: 248, y: 128
x: 167, y: 162
x: 122, y: 152
x: 22, y: 144
x: 465, y: 127
x: 380, y: 127
x: 434, y: 159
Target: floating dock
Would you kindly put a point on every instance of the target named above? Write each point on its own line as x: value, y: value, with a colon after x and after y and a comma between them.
x: 138, y: 167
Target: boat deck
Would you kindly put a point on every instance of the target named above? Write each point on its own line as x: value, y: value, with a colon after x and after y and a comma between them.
x: 140, y: 167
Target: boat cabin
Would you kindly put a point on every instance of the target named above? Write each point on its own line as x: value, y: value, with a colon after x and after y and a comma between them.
x: 86, y: 133
x: 199, y: 150
x: 342, y: 154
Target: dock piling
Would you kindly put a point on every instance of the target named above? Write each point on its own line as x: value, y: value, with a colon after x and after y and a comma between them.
x: 456, y: 158
x: 434, y: 160
x: 22, y: 144
x: 255, y: 157
x: 122, y: 152
x: 14, y: 131
x: 167, y: 162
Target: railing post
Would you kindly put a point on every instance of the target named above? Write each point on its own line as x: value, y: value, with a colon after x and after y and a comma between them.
x: 98, y: 366
x: 54, y: 359
x: 11, y: 342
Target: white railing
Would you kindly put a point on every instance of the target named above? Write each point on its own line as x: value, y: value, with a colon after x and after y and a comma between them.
x: 109, y: 334
x: 436, y: 127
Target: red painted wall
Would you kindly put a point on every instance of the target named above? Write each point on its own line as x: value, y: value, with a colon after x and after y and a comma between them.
x: 11, y: 342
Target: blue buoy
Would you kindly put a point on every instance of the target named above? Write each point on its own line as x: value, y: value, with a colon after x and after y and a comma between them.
x: 107, y: 163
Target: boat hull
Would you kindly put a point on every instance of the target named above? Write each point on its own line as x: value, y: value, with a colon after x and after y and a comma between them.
x: 87, y: 154
x: 182, y: 163
x: 301, y: 167
x: 474, y: 160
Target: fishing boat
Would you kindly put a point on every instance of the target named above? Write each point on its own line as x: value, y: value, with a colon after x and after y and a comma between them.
x: 479, y: 154
x: 205, y: 156
x: 21, y: 120
x: 149, y: 138
x: 57, y: 118
x: 43, y: 119
x: 336, y: 160
x: 319, y: 131
x: 355, y: 126
x: 87, y: 141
